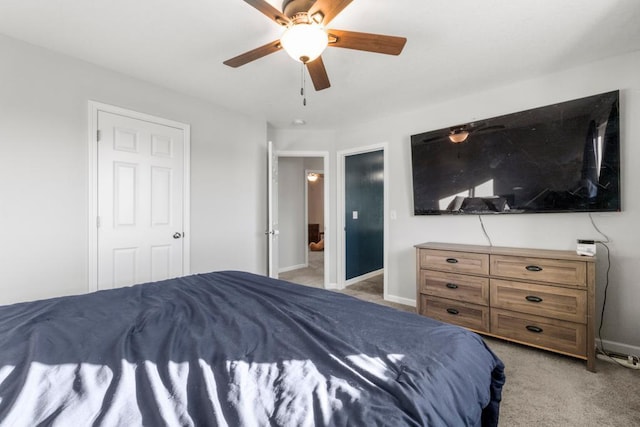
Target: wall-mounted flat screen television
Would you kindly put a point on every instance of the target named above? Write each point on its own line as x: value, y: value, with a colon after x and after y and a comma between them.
x: 559, y: 158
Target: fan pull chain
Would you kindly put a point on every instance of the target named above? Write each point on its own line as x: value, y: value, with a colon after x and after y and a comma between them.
x: 303, y: 84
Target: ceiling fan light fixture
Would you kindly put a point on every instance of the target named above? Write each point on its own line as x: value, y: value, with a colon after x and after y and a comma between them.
x: 304, y: 42
x: 458, y: 136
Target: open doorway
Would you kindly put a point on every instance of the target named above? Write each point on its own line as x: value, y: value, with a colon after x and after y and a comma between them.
x: 362, y: 206
x: 302, y: 212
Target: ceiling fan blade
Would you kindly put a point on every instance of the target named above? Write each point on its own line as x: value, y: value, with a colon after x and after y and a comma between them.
x: 378, y: 43
x: 269, y: 11
x: 329, y: 8
x: 318, y: 74
x: 254, y: 54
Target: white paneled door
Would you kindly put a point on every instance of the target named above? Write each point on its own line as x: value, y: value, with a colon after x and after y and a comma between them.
x: 140, y: 180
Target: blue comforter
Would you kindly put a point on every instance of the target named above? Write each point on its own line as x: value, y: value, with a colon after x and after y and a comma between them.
x: 237, y: 349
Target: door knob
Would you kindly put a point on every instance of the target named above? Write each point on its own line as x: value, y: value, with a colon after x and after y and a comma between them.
x: 177, y: 235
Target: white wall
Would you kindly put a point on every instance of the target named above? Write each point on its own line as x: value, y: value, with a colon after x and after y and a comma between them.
x: 553, y: 231
x: 291, y: 221
x: 44, y: 172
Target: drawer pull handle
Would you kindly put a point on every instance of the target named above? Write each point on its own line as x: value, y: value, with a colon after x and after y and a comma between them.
x: 452, y: 260
x: 452, y: 286
x: 532, y: 298
x: 533, y: 268
x: 452, y: 311
x: 535, y: 329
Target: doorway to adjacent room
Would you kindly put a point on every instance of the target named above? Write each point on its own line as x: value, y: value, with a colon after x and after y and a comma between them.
x: 299, y: 217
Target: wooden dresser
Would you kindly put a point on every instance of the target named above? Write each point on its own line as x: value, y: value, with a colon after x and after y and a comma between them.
x: 541, y: 298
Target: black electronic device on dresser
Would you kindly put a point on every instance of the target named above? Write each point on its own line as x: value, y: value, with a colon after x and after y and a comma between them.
x: 558, y: 158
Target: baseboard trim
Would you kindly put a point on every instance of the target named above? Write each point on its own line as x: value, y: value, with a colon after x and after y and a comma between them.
x: 400, y: 300
x: 617, y: 347
x: 293, y: 267
x: 364, y: 277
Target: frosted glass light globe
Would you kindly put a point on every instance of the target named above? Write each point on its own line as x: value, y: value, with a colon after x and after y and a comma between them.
x: 304, y: 42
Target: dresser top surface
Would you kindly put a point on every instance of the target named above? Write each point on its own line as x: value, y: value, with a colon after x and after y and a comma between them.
x: 503, y: 250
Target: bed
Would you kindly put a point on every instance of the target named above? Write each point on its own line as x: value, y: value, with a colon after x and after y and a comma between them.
x: 232, y: 348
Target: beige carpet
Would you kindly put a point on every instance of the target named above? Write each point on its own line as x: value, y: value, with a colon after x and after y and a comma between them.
x: 372, y: 290
x: 312, y: 275
x: 544, y: 389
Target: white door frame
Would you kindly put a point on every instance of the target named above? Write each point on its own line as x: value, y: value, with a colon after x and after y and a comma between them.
x: 327, y: 222
x: 271, y: 233
x: 94, y: 108
x: 341, y: 203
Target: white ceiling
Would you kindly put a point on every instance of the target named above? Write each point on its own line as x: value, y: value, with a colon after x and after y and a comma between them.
x: 453, y: 47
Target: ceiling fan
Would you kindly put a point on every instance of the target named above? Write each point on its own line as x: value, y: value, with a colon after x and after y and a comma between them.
x: 460, y: 133
x: 306, y: 36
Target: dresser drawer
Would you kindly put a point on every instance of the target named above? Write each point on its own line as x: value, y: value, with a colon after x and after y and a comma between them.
x: 564, y: 272
x: 470, y: 316
x: 455, y: 262
x: 558, y: 335
x: 459, y: 287
x: 542, y: 300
